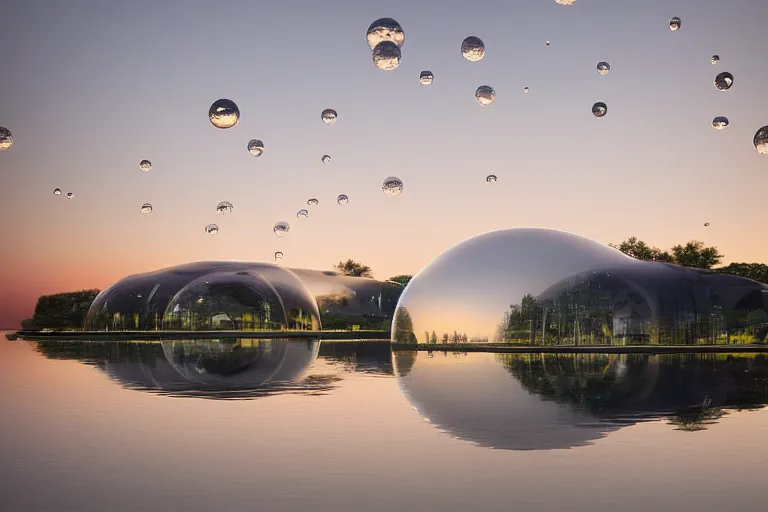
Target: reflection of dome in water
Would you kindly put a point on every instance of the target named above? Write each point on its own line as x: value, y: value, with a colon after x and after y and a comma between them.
x: 469, y: 287
x: 539, y: 286
x: 548, y: 401
x: 218, y: 370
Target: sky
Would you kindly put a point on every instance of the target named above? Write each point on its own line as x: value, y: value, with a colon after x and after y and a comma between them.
x: 90, y: 88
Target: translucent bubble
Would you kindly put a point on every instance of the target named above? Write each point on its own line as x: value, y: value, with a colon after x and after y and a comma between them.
x: 426, y: 77
x: 224, y: 207
x: 761, y: 141
x: 485, y: 95
x: 70, y: 195
x: 723, y: 81
x: 224, y: 113
x: 565, y: 2
x: 603, y: 67
x: 342, y: 199
x: 599, y: 109
x: 302, y: 214
x: 146, y: 208
x: 312, y: 202
x: 548, y: 287
x: 57, y: 191
x: 392, y: 186
x: 386, y: 56
x: 278, y: 256
x: 281, y: 228
x: 329, y: 116
x: 326, y: 159
x: 211, y: 229
x: 6, y: 139
x: 255, y: 147
x: 674, y: 24
x: 526, y: 90
x: 145, y: 166
x: 385, y: 30
x: 720, y: 123
x: 491, y: 178
x: 473, y: 49
x: 715, y: 59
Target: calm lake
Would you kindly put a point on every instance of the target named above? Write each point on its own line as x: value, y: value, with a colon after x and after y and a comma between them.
x: 337, y: 426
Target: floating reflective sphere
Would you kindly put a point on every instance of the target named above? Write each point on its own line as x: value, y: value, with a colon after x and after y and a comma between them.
x: 326, y: 159
x: 224, y: 207
x: 145, y: 166
x: 603, y: 68
x: 342, y: 199
x: 224, y: 114
x: 302, y: 214
x: 674, y: 24
x: 211, y: 229
x: 385, y: 30
x: 386, y: 56
x: 548, y: 287
x: 57, y: 191
x: 146, y: 208
x: 723, y: 81
x: 565, y: 2
x: 255, y: 147
x: 278, y: 256
x: 720, y: 123
x: 426, y: 77
x: 312, y: 202
x: 599, y: 109
x: 6, y: 139
x: 473, y: 49
x: 392, y: 186
x: 526, y: 90
x: 761, y: 140
x: 706, y: 224
x: 328, y: 116
x: 70, y: 195
x: 547, y: 43
x: 485, y: 95
x: 715, y: 59
x: 281, y: 228
x: 491, y: 178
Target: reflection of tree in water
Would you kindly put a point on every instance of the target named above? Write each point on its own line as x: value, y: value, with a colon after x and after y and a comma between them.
x: 359, y: 356
x: 690, y: 389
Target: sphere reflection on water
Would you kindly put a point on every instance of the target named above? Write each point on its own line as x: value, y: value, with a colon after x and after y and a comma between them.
x: 544, y: 287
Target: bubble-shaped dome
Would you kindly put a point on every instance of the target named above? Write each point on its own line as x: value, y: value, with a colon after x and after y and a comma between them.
x: 242, y: 301
x: 548, y: 287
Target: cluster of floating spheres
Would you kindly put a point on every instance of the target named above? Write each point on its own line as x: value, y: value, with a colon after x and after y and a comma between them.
x: 385, y: 37
x: 224, y: 114
x: 255, y: 147
x: 302, y: 214
x: 392, y: 186
x: 281, y: 228
x: 342, y: 199
x: 720, y: 123
x: 224, y: 207
x: 146, y: 209
x: 6, y: 139
x: 211, y: 229
x: 599, y: 109
x: 145, y: 166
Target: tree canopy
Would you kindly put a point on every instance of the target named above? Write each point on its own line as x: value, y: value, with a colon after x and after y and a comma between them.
x: 402, y: 279
x: 62, y: 310
x: 692, y: 254
x: 353, y: 268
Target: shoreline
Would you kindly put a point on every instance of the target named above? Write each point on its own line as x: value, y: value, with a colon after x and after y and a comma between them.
x: 199, y: 335
x: 593, y: 349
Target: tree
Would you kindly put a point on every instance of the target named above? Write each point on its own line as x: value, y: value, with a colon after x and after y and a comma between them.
x: 402, y: 279
x: 754, y: 271
x: 692, y: 254
x: 63, y: 310
x: 353, y: 268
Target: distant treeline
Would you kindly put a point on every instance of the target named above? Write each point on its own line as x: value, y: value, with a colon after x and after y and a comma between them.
x: 61, y: 311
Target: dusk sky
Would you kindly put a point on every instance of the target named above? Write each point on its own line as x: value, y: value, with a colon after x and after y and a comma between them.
x: 90, y: 88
